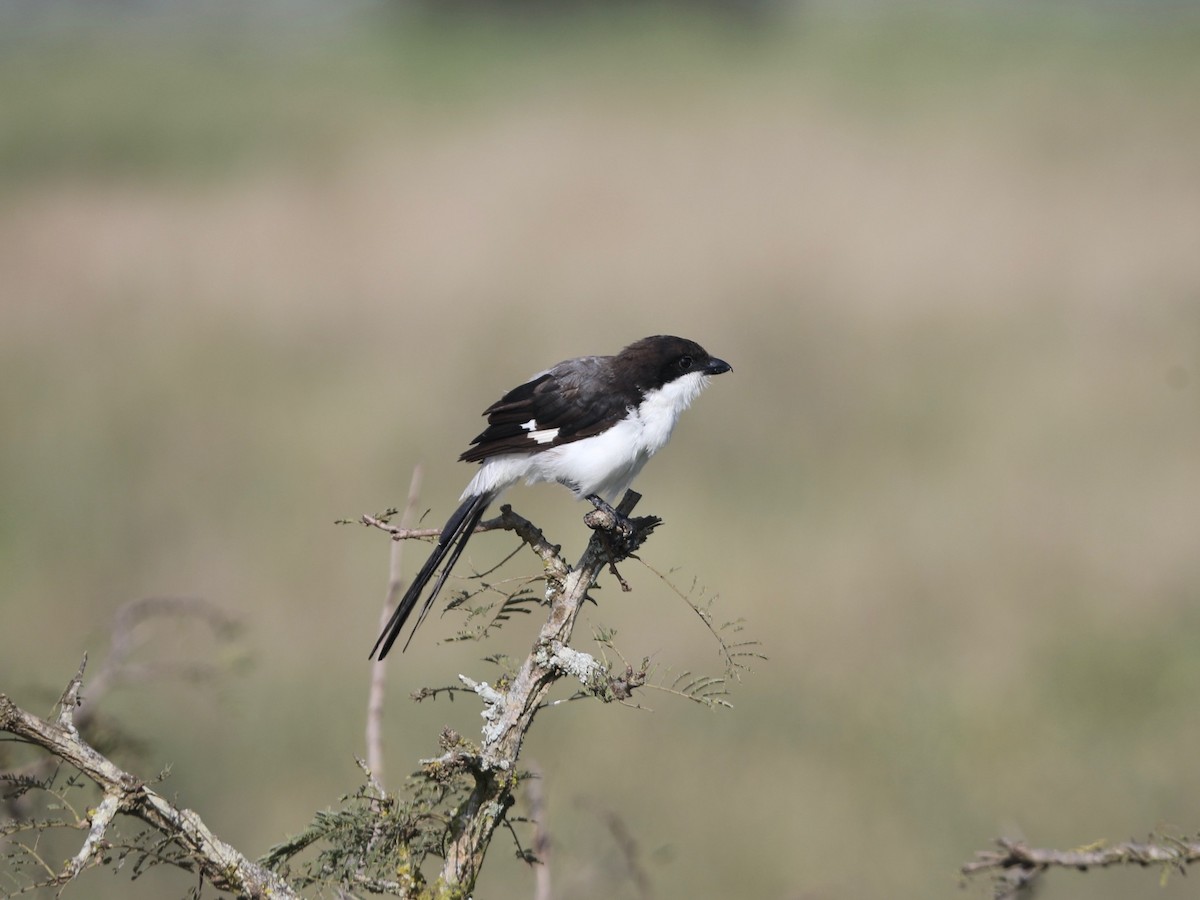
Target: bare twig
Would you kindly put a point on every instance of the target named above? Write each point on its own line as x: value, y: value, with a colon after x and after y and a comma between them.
x: 1016, y: 865
x: 378, y: 687
x: 506, y: 521
x: 101, y: 816
x: 402, y: 533
x: 737, y: 654
x: 541, y: 835
x: 221, y: 864
x: 69, y: 701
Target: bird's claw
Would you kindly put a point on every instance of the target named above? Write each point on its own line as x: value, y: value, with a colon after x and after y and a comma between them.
x: 605, y: 518
x: 619, y: 534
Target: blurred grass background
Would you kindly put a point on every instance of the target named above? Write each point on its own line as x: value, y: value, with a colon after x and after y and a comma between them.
x: 255, y: 265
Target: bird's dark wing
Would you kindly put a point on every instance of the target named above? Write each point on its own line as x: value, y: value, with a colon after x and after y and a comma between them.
x: 574, y: 400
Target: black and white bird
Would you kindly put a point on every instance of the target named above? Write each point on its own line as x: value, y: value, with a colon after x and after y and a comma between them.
x: 589, y: 423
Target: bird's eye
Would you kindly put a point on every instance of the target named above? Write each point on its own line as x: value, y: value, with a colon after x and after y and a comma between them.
x: 685, y: 363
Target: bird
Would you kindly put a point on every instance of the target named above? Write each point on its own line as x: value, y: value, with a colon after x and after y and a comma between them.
x: 589, y: 424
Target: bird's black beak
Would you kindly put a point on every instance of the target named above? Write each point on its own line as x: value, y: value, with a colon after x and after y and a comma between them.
x: 717, y: 366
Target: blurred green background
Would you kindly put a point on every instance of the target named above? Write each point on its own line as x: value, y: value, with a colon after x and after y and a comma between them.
x: 255, y: 264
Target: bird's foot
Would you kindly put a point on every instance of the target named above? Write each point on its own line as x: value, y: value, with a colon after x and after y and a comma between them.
x: 619, y: 534
x: 606, y: 519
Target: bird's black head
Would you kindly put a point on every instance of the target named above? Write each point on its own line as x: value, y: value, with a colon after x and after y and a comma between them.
x: 660, y: 359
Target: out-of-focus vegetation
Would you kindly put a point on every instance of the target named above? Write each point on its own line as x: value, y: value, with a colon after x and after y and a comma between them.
x: 253, y: 268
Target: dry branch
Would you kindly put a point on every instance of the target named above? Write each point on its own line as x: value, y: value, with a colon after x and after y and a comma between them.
x: 509, y: 712
x: 125, y: 794
x: 1017, y: 865
x: 378, y: 686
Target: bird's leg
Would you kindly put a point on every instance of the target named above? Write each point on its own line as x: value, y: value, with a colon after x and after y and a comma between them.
x: 600, y: 503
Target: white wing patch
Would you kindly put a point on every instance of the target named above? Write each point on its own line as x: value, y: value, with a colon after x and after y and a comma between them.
x: 542, y: 436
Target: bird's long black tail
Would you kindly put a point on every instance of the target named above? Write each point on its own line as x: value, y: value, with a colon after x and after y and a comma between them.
x: 449, y: 547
